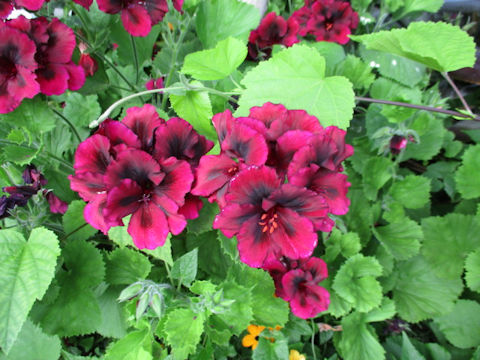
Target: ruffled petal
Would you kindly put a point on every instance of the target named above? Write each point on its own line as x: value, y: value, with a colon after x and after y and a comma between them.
x: 213, y: 172
x: 177, y: 182
x: 123, y: 200
x: 136, y: 20
x: 93, y: 155
x: 148, y: 226
x: 233, y: 216
x: 88, y: 185
x: 143, y: 121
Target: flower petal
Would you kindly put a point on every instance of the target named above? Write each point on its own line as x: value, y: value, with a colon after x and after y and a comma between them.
x: 136, y: 20
x: 177, y: 182
x: 123, y: 200
x: 143, y: 121
x: 148, y: 226
x: 213, y: 172
x: 87, y: 184
x: 93, y: 155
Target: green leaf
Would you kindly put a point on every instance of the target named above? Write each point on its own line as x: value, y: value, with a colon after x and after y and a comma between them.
x: 468, y: 184
x: 447, y: 242
x: 240, y: 313
x: 355, y: 282
x: 401, y: 239
x: 216, y: 63
x: 74, y: 223
x: 419, y: 294
x: 359, y: 340
x: 413, y: 191
x: 125, y: 266
x: 437, y: 352
x: 217, y: 20
x: 195, y: 107
x: 347, y: 244
x: 185, y: 267
x: 184, y: 329
x: 268, y: 350
x: 33, y: 343
x: 295, y: 77
x: 33, y: 114
x: 354, y: 69
x: 76, y: 310
x: 376, y: 173
x: 412, y: 6
x: 204, y: 222
x: 472, y: 268
x: 440, y: 46
x: 114, y: 322
x: 81, y: 111
x: 409, y: 352
x: 163, y: 253
x: 26, y: 270
x: 385, y: 311
x: 131, y: 347
x: 360, y: 215
x: 119, y: 234
x: 462, y: 325
x: 431, y: 132
x: 332, y: 52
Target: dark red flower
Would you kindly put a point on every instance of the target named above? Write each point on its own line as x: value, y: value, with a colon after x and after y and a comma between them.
x: 138, y: 16
x: 272, y: 30
x: 88, y: 63
x: 17, y: 67
x: 397, y: 143
x: 57, y: 206
x: 55, y: 43
x: 154, y: 84
x: 269, y: 219
x: 85, y: 3
x: 327, y: 20
x: 143, y: 121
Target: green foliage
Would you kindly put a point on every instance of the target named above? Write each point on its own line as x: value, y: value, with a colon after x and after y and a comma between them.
x: 359, y: 73
x: 114, y: 322
x: 125, y: 266
x: 431, y: 132
x: 185, y: 267
x: 347, y: 244
x: 462, y: 325
x: 472, y: 268
x: 216, y: 63
x: 33, y: 343
x: 26, y: 270
x: 74, y: 224
x: 295, y: 77
x: 356, y: 283
x: 468, y: 184
x: 268, y: 350
x: 240, y: 314
x: 413, y: 192
x: 419, y: 294
x: 184, y: 328
x: 447, y: 242
x: 134, y: 346
x: 376, y: 173
x: 440, y: 46
x: 81, y: 111
x: 217, y: 20
x: 402, y: 239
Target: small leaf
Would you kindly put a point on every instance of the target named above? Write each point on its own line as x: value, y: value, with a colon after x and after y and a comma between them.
x: 114, y: 322
x: 185, y: 267
x: 131, y: 347
x: 354, y: 69
x: 408, y: 350
x: 216, y: 63
x: 472, y: 267
x: 377, y: 171
x: 347, y: 244
x: 125, y: 266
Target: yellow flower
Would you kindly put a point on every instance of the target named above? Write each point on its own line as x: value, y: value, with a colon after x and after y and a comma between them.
x: 251, y: 339
x: 295, y: 355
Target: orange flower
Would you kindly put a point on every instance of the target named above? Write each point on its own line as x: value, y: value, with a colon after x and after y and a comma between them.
x: 251, y: 339
x: 295, y: 355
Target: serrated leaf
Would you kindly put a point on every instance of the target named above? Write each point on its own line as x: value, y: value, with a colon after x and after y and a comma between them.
x: 472, y: 268
x: 462, y: 325
x: 163, y: 253
x: 216, y: 63
x: 295, y: 77
x: 377, y: 171
x: 81, y: 111
x: 355, y: 282
x: 33, y: 343
x: 419, y: 294
x: 240, y: 313
x: 125, y: 266
x: 431, y: 131
x: 385, y: 311
x: 114, y: 322
x: 347, y: 244
x: 468, y: 184
x: 409, y: 351
x: 195, y: 107
x: 131, y: 347
x: 216, y: 20
x: 74, y: 223
x: 185, y: 267
x: 354, y: 69
x: 204, y: 222
x: 332, y: 52
x: 184, y: 329
x: 33, y: 114
x: 360, y: 215
x: 412, y: 6
x: 413, y: 191
x: 447, y: 242
x: 440, y: 46
x: 401, y: 239
x: 26, y: 270
x: 271, y: 350
x: 359, y: 340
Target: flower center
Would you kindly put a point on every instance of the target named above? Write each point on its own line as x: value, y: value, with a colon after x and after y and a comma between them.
x: 146, y: 197
x: 328, y: 25
x: 7, y: 67
x: 269, y: 221
x: 233, y: 170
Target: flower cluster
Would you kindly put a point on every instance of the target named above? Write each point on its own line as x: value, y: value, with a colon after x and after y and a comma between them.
x: 141, y: 166
x: 34, y: 181
x: 138, y: 16
x: 277, y: 178
x: 36, y: 56
x: 327, y: 20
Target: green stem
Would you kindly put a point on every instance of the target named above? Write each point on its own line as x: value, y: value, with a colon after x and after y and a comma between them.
x: 69, y: 123
x: 457, y: 91
x: 135, y: 59
x: 418, y: 107
x: 169, y: 274
x: 74, y: 231
x: 313, y: 340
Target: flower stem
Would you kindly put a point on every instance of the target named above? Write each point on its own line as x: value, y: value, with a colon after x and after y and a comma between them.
x: 69, y: 123
x: 457, y: 91
x: 313, y: 339
x: 419, y: 107
x: 135, y: 59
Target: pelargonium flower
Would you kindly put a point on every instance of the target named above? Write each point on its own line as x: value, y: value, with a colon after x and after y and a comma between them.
x: 55, y: 42
x: 273, y: 29
x: 327, y: 20
x: 270, y: 219
x: 17, y: 68
x: 88, y: 63
x: 6, y: 6
x: 154, y: 84
x: 140, y: 166
x: 138, y: 16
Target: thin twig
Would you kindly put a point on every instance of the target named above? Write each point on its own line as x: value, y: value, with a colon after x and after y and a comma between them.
x: 457, y: 91
x: 135, y: 59
x: 69, y: 123
x: 418, y: 107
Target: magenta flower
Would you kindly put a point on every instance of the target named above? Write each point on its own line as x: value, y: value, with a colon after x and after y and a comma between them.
x: 88, y: 63
x: 270, y: 219
x: 272, y: 30
x: 138, y: 17
x: 397, y: 143
x: 154, y: 84
x: 17, y: 68
x: 327, y: 20
x: 6, y: 6
x: 55, y: 43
